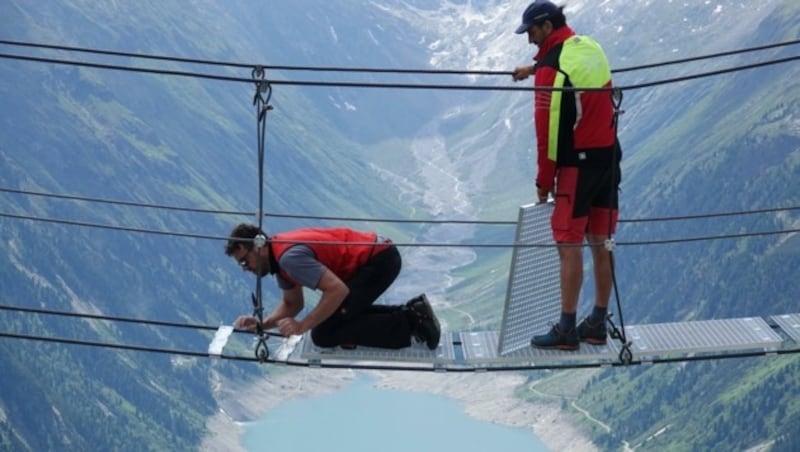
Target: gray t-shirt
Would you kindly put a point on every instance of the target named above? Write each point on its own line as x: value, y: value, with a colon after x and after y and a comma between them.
x: 301, y: 264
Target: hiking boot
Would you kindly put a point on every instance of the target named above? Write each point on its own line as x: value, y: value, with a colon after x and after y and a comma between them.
x: 592, y: 333
x: 556, y: 339
x: 424, y: 325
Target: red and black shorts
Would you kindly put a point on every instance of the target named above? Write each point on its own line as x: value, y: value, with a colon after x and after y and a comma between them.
x: 586, y: 203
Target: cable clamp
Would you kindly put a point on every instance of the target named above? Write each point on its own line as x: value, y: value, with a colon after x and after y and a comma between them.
x: 616, y: 97
x: 262, y: 351
x: 258, y: 310
x: 258, y: 72
x: 625, y: 354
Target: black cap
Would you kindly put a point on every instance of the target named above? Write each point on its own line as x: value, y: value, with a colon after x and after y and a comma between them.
x: 536, y: 13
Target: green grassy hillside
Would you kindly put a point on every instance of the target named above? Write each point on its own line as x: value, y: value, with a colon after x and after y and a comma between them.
x: 149, y: 139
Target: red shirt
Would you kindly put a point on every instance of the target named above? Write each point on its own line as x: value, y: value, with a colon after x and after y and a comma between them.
x: 584, y: 120
x: 345, y: 250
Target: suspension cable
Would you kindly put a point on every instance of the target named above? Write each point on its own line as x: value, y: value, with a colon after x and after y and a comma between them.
x: 137, y: 321
x: 409, y: 368
x: 711, y: 73
x: 263, y: 88
x: 401, y: 244
x: 706, y: 57
x: 625, y: 354
x: 117, y: 346
x: 251, y: 65
x: 709, y: 215
x: 317, y: 83
x: 120, y: 202
x: 372, y: 69
x: 376, y: 220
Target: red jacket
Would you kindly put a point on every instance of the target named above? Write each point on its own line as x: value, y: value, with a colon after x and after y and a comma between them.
x: 572, y: 128
x: 342, y: 258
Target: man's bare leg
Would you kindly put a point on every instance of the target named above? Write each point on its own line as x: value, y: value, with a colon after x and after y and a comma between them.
x: 603, y: 281
x: 571, y: 261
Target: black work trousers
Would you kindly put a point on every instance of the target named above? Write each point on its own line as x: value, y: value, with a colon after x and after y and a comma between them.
x: 358, y: 321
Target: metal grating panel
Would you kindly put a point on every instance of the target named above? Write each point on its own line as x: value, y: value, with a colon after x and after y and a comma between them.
x: 481, y: 348
x: 701, y: 336
x: 790, y: 323
x: 444, y: 354
x: 534, y: 292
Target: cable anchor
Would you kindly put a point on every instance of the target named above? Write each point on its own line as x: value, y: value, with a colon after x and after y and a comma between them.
x: 625, y: 354
x: 262, y: 351
x: 616, y: 101
x: 262, y: 86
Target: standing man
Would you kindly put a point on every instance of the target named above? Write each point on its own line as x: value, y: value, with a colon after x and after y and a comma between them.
x: 351, y: 269
x: 578, y: 162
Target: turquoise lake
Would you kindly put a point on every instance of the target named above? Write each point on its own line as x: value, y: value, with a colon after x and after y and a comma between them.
x: 361, y: 418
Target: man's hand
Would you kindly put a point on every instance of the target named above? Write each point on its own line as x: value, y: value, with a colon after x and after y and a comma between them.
x: 523, y: 72
x: 245, y: 322
x: 542, y: 194
x: 290, y: 327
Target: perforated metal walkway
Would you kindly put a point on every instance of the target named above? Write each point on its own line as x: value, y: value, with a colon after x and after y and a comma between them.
x: 532, y: 305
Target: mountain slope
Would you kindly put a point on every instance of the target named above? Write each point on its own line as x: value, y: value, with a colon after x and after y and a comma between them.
x: 149, y: 139
x: 727, y: 143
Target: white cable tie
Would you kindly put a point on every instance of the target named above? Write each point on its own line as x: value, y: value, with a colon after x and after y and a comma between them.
x: 610, y: 244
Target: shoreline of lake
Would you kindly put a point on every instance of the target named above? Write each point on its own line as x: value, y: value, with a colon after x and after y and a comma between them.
x: 485, y: 396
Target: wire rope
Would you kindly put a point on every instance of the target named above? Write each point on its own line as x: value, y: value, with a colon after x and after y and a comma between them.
x: 371, y: 69
x: 613, y: 196
x: 263, y: 87
x: 408, y: 368
x: 421, y: 86
x: 374, y: 220
x: 138, y: 321
x: 402, y: 244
